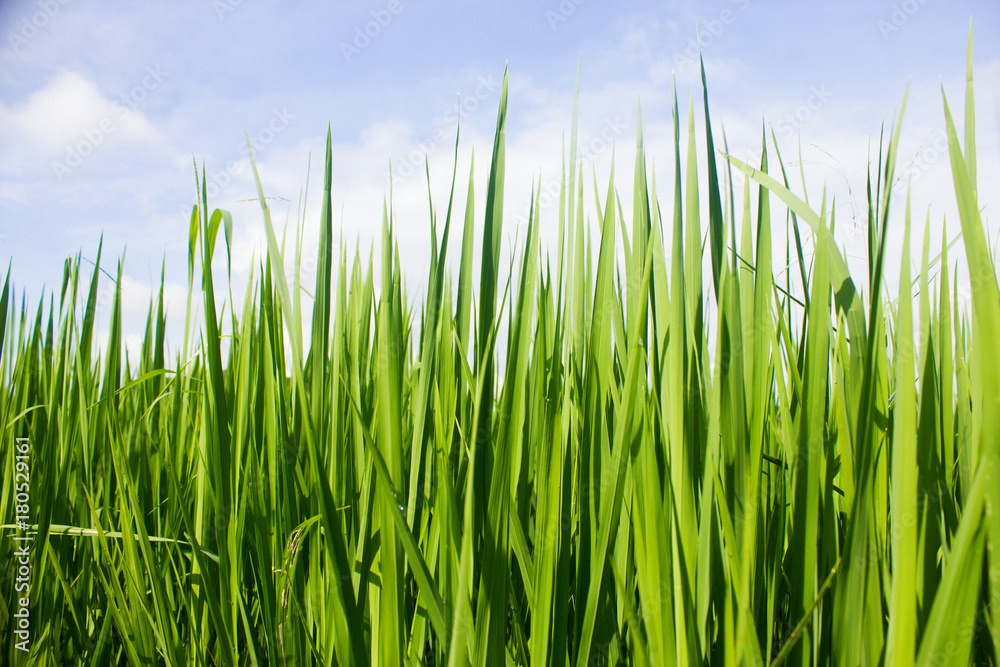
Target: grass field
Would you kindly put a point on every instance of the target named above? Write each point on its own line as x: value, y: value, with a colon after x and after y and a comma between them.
x: 807, y: 477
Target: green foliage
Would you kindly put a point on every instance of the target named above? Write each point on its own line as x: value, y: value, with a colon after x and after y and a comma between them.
x: 659, y: 474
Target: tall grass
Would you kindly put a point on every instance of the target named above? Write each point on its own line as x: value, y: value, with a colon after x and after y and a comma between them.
x: 808, y: 478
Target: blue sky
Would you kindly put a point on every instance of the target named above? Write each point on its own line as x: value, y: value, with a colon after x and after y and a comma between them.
x: 104, y: 105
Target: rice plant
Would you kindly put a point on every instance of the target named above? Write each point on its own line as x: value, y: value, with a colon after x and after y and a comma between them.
x: 636, y: 469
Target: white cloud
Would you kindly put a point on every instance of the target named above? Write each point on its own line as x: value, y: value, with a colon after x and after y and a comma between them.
x: 71, y: 109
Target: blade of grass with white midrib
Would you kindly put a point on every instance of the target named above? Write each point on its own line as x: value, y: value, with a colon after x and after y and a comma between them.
x: 218, y: 440
x: 488, y: 278
x: 759, y: 401
x: 808, y: 462
x: 389, y: 443
x: 677, y: 342
x: 901, y: 644
x: 716, y: 224
x: 637, y: 308
x: 593, y: 432
x: 947, y: 375
x: 319, y: 341
x: 547, y: 540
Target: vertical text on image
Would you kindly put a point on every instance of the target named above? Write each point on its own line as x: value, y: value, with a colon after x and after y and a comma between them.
x: 21, y: 617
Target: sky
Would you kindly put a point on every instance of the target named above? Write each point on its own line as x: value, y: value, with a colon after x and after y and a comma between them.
x: 106, y: 107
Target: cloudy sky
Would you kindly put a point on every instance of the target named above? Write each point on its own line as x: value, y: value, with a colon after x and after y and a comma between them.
x: 104, y: 106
